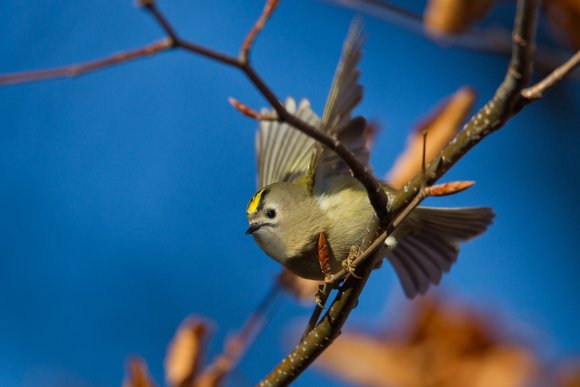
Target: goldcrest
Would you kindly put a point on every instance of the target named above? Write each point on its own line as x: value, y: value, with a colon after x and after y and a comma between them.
x: 306, y: 190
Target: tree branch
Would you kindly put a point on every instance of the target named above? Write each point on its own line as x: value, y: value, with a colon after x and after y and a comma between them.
x: 87, y: 67
x: 494, y: 41
x: 377, y: 196
x: 495, y: 113
x: 249, y: 41
x: 493, y: 116
x: 536, y: 91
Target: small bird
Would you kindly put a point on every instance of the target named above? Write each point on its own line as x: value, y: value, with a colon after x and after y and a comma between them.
x: 306, y: 190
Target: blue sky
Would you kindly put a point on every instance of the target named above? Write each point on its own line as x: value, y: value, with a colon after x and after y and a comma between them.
x: 119, y: 188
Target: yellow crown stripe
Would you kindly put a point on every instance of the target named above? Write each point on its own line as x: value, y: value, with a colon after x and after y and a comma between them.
x: 255, y: 202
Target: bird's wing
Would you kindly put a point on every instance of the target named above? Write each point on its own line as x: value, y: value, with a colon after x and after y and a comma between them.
x: 345, y: 93
x: 428, y: 243
x: 284, y: 153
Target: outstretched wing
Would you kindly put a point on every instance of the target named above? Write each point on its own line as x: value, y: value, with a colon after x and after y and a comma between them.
x: 284, y: 153
x: 345, y: 93
x: 428, y: 243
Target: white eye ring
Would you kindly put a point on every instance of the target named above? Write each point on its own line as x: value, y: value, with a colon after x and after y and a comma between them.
x: 271, y: 213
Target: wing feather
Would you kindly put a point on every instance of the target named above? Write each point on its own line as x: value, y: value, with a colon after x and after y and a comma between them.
x: 428, y: 243
x: 283, y: 152
x: 345, y: 94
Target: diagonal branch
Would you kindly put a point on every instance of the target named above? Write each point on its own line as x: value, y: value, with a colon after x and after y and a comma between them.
x: 87, y: 67
x: 493, y: 116
x: 377, y: 196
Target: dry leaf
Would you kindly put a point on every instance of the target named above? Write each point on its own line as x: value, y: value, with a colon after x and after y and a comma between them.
x: 452, y: 17
x: 568, y: 374
x: 441, y: 126
x: 137, y: 374
x: 184, y: 353
x: 441, y: 346
x: 564, y: 16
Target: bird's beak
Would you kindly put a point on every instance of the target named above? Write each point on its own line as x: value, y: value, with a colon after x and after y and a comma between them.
x: 253, y: 227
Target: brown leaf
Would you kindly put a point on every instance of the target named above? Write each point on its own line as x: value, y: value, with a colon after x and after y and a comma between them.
x: 452, y: 17
x: 184, y: 353
x: 564, y: 16
x: 441, y: 126
x: 137, y: 374
x: 303, y: 289
x: 365, y: 360
x: 440, y: 346
x: 568, y: 374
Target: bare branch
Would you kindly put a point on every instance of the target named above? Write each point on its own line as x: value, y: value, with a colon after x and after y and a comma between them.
x: 536, y: 91
x: 377, y: 196
x: 151, y: 7
x: 318, y: 339
x: 177, y: 42
x: 87, y: 67
x: 249, y: 112
x: 266, y: 13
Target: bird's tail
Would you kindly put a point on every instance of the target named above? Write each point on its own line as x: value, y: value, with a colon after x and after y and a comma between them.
x: 428, y: 243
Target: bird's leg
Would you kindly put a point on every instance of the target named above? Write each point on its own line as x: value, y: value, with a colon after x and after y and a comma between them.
x: 349, y: 263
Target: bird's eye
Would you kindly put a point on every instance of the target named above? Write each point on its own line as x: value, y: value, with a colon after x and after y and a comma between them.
x: 271, y: 213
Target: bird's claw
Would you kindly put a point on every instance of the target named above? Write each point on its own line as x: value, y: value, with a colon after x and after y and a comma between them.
x: 349, y: 264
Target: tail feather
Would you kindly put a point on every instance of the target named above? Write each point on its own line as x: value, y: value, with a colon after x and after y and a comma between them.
x: 428, y: 243
x: 420, y: 273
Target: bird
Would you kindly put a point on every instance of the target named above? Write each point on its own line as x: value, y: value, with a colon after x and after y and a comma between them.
x: 305, y: 190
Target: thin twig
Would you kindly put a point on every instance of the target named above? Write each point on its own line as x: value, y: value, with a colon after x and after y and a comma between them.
x: 178, y: 42
x: 249, y: 112
x: 376, y: 194
x: 83, y: 68
x: 536, y: 91
x: 321, y: 298
x: 150, y: 6
x: 258, y: 26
